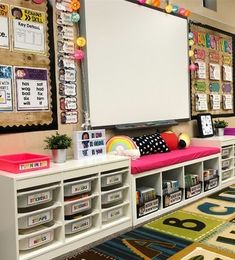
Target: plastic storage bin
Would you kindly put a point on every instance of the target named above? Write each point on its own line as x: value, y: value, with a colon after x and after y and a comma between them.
x: 77, y: 188
x: 77, y: 206
x: 225, y: 152
x: 36, y: 241
x: 34, y: 198
x: 35, y: 219
x: 24, y: 162
x: 111, y: 197
x: 112, y: 214
x: 110, y: 180
x: 78, y: 226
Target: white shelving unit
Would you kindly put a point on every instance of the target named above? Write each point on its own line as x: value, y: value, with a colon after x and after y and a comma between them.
x: 50, y: 212
x: 155, y: 178
x: 227, y: 145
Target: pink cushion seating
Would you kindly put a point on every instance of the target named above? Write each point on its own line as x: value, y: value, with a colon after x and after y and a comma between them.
x: 159, y: 160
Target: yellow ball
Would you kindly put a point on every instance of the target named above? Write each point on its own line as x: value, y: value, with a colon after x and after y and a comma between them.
x: 148, y: 2
x: 184, y: 140
x: 168, y: 8
x: 190, y: 53
x: 81, y: 41
x: 191, y: 42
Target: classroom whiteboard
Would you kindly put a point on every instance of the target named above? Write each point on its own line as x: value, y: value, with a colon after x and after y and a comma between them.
x: 137, y: 63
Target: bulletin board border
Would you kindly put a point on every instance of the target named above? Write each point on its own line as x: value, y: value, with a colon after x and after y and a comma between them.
x: 54, y: 124
x: 206, y: 26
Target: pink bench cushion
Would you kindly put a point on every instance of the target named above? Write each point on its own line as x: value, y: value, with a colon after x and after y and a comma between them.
x: 159, y: 160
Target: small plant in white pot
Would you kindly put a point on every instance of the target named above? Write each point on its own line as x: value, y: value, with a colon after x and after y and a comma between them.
x: 58, y: 144
x: 219, y: 126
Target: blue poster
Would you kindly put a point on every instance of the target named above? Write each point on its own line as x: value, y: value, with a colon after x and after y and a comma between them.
x: 6, y: 88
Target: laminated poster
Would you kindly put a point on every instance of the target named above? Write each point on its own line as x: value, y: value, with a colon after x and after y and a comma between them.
x: 6, y: 88
x: 215, y: 101
x: 201, y: 71
x: 32, y: 88
x: 214, y: 70
x: 227, y: 101
x: 227, y: 73
x: 201, y: 102
x: 28, y: 29
x: 4, y: 31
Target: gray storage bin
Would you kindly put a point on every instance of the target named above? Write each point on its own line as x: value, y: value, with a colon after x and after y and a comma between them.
x: 35, y: 219
x: 78, y: 226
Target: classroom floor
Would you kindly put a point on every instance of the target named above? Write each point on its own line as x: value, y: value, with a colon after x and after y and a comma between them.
x: 203, y: 230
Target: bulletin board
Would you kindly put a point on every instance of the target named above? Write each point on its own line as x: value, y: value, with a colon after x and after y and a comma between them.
x: 212, y: 74
x: 27, y: 74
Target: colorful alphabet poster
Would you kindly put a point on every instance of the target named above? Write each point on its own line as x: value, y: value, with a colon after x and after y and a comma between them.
x: 32, y: 88
x: 212, y: 55
x: 6, y: 88
x: 4, y: 28
x: 28, y: 29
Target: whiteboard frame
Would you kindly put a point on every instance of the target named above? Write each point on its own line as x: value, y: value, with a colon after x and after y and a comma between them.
x: 85, y: 80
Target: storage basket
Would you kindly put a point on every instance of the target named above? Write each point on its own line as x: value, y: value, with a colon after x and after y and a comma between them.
x: 77, y: 206
x: 112, y: 214
x: 36, y: 241
x: 35, y: 219
x: 35, y: 198
x: 111, y: 197
x: 77, y: 188
x: 110, y: 180
x: 23, y: 162
x: 78, y: 226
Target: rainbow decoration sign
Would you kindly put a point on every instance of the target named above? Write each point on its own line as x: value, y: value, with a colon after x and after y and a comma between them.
x: 118, y: 142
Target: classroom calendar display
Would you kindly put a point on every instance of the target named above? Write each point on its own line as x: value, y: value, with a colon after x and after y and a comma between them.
x: 211, y: 53
x: 26, y: 85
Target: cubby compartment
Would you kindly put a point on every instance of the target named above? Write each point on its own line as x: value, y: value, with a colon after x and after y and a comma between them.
x: 114, y: 196
x: 114, y: 213
x: 78, y: 225
x: 113, y: 179
x: 148, y: 194
x: 172, y: 186
x: 227, y: 174
x: 193, y: 179
x: 37, y: 197
x: 227, y: 152
x: 79, y: 205
x: 36, y: 244
x: 36, y: 219
x: 227, y: 164
x: 210, y: 174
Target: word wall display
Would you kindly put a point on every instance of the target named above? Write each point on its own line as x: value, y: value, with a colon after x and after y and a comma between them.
x: 26, y: 67
x: 211, y: 53
x: 67, y: 65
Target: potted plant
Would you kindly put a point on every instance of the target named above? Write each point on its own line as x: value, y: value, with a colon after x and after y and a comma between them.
x: 219, y: 126
x: 58, y: 143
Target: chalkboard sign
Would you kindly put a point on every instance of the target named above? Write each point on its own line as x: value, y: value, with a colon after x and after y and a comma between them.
x: 137, y: 63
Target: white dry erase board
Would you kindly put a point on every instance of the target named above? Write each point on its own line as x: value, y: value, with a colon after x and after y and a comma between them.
x: 137, y: 63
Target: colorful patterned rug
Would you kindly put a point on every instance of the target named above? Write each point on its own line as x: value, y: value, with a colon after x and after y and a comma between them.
x: 203, y: 230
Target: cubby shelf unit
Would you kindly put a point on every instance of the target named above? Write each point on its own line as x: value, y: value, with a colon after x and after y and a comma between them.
x: 154, y: 179
x: 53, y: 211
